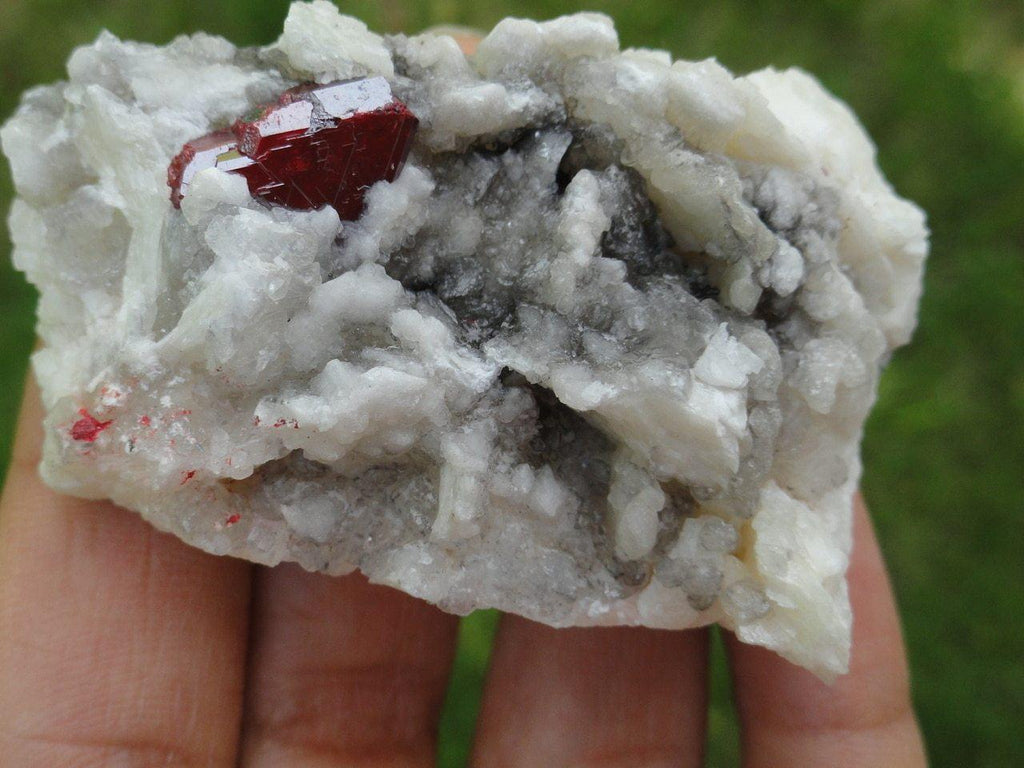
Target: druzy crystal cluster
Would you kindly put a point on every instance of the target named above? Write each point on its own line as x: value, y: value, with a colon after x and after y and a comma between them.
x: 601, y: 352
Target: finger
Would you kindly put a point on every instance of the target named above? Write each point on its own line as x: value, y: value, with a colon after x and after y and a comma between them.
x: 343, y: 673
x: 789, y: 717
x: 467, y: 38
x: 618, y: 696
x: 120, y: 646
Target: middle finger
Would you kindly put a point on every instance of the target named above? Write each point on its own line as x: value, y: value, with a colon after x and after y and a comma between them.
x: 342, y: 673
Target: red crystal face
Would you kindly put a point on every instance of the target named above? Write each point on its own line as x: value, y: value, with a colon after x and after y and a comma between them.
x: 318, y: 145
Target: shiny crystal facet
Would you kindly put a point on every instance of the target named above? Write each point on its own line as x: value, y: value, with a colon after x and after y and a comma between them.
x: 318, y: 145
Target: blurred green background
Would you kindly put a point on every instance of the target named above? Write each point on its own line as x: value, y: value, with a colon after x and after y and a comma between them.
x: 940, y: 86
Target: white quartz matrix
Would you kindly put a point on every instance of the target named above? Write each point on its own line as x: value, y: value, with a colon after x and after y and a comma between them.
x: 601, y: 354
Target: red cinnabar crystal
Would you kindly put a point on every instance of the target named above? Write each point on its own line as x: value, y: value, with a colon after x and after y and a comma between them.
x: 318, y: 145
x: 88, y: 428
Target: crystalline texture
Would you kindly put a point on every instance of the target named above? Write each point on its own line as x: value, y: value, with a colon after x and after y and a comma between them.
x: 600, y: 354
x: 318, y: 145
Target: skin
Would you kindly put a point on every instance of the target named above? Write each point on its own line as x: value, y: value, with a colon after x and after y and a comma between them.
x: 123, y: 647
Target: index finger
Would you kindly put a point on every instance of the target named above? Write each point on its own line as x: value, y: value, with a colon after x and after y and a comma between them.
x: 789, y: 717
x: 119, y: 645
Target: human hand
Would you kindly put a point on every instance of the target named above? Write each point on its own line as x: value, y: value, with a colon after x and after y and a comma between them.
x: 121, y: 646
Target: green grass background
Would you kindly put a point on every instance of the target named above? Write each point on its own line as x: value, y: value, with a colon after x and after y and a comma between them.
x: 940, y: 86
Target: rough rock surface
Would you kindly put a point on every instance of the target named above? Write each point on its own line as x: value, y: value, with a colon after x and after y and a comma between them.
x: 601, y: 354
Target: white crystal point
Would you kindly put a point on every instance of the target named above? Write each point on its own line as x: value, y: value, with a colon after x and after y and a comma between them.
x: 600, y: 354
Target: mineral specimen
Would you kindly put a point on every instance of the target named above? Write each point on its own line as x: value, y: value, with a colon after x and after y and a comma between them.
x: 600, y: 354
x: 318, y: 145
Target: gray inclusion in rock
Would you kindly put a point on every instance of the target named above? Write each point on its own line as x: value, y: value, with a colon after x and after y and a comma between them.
x: 601, y: 354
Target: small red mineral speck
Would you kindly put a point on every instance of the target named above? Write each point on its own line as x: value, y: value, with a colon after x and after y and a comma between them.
x: 233, y: 519
x: 145, y: 421
x: 318, y: 145
x: 186, y: 476
x: 88, y: 428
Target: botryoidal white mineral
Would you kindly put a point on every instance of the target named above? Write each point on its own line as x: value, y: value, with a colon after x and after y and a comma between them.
x: 601, y: 354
